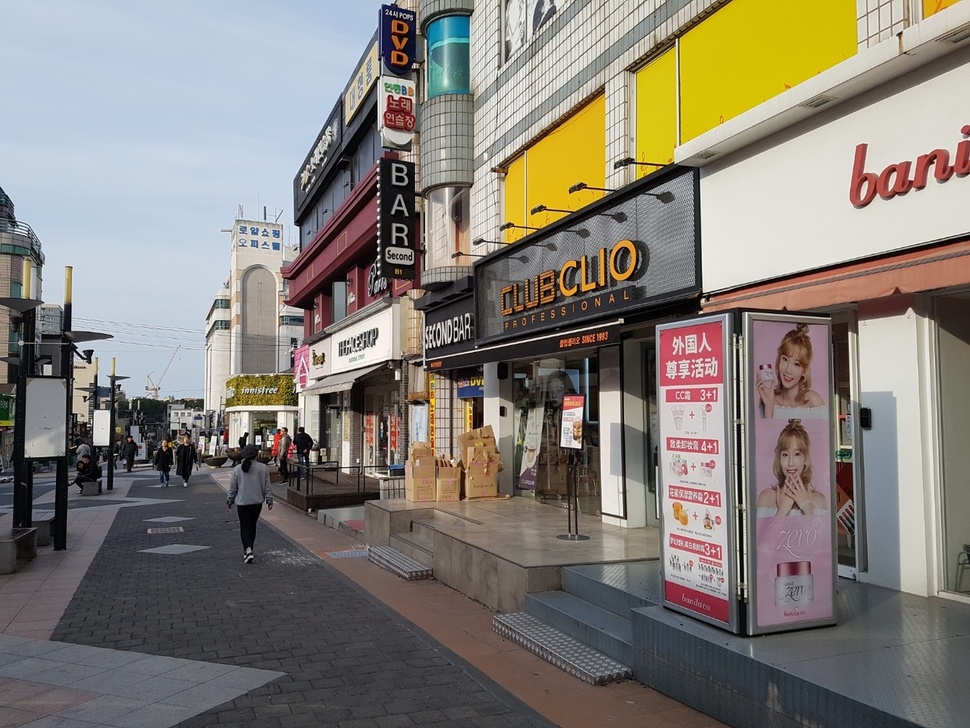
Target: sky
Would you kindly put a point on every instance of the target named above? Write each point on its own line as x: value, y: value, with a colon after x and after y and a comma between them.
x: 132, y: 131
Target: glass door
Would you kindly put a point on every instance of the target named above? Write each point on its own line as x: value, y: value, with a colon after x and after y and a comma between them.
x: 953, y: 353
x: 848, y: 479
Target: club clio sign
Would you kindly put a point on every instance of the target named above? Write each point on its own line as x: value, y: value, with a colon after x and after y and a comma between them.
x: 396, y: 228
x: 899, y: 178
x: 594, y: 279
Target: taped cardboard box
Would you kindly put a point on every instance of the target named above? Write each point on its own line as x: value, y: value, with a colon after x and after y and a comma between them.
x: 448, y: 484
x: 481, y: 482
x: 420, y: 483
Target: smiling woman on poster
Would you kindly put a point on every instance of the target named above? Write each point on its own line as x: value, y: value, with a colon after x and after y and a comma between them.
x: 786, y: 392
x: 793, y: 493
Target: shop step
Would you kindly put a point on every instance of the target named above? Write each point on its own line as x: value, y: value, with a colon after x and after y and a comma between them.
x: 559, y: 649
x: 398, y: 563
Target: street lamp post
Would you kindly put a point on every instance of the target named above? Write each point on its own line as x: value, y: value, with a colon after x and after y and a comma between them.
x: 23, y: 478
x: 111, y: 464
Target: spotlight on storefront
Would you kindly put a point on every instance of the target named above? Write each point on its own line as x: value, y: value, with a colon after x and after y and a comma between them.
x: 616, y: 216
x: 542, y: 208
x: 664, y: 196
x: 583, y: 186
x: 581, y: 232
x: 627, y: 161
x: 509, y: 225
x: 483, y: 241
x: 459, y: 254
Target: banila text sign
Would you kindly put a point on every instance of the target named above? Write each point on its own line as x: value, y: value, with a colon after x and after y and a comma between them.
x: 699, y: 564
x: 397, y: 39
x: 396, y: 228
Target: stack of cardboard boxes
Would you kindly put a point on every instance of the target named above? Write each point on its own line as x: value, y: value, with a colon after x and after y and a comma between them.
x: 429, y: 478
x: 474, y: 474
x: 481, y: 462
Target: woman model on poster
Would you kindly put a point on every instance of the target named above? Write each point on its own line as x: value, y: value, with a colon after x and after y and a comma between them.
x: 793, y: 493
x: 789, y: 392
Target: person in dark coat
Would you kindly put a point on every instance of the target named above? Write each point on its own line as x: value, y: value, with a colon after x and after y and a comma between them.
x: 129, y: 451
x: 303, y: 444
x: 243, y: 440
x: 185, y: 457
x: 87, y: 472
x: 163, y: 460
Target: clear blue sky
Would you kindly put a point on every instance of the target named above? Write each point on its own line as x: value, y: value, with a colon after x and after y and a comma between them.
x: 131, y: 131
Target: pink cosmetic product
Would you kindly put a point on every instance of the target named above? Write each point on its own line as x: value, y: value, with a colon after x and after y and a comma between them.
x: 794, y: 584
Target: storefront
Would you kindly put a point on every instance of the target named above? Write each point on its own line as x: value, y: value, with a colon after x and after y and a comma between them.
x: 356, y: 402
x: 867, y: 221
x: 259, y: 404
x: 565, y: 333
x: 456, y: 393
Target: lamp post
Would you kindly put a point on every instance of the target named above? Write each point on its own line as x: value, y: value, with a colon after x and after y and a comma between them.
x: 115, y: 378
x: 22, y: 475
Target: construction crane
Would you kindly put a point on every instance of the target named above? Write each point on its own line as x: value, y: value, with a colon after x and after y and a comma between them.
x: 152, y: 387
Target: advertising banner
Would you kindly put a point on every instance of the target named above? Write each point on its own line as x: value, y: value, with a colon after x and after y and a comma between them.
x: 532, y: 447
x: 571, y: 432
x: 790, y: 474
x: 396, y: 120
x: 397, y: 38
x: 697, y: 502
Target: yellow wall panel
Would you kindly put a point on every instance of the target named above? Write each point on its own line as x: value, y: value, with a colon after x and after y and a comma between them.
x: 515, y: 191
x: 752, y: 50
x: 656, y: 112
x: 932, y: 7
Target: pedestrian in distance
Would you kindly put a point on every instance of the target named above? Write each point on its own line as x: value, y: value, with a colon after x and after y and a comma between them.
x: 163, y: 461
x: 129, y: 450
x: 185, y: 457
x: 248, y: 489
x: 283, y: 446
x: 303, y: 444
x: 87, y: 471
x: 243, y: 440
x: 276, y: 444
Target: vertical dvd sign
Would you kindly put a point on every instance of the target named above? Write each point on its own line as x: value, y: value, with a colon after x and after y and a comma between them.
x: 396, y: 228
x: 698, y: 528
x: 397, y: 39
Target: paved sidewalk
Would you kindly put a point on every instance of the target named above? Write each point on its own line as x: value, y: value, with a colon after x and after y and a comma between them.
x: 329, y: 638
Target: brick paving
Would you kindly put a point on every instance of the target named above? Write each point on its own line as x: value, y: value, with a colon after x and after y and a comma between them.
x: 348, y: 660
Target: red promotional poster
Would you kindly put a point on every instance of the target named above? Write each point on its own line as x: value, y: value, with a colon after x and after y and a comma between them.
x: 696, y: 503
x: 790, y: 478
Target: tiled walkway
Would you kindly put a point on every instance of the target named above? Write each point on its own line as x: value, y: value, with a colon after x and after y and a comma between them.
x: 326, y: 640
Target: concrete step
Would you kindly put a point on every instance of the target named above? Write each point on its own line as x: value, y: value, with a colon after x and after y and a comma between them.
x: 599, y: 628
x: 399, y: 563
x: 417, y: 546
x: 559, y: 649
x: 615, y: 587
x: 423, y: 530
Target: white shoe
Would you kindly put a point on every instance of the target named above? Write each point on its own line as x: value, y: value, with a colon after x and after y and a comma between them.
x: 248, y: 556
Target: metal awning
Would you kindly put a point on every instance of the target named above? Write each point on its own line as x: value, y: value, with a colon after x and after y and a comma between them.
x: 339, y: 382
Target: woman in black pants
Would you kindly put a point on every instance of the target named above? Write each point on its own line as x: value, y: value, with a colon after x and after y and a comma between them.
x: 249, y: 488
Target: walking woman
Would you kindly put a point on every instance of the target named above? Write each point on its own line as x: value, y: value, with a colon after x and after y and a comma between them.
x: 164, y: 458
x: 249, y: 489
x: 185, y: 457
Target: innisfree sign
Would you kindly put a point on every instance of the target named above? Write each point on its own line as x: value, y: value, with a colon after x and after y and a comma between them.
x: 255, y: 390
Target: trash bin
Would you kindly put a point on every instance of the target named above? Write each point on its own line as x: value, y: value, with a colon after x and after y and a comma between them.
x: 314, y: 456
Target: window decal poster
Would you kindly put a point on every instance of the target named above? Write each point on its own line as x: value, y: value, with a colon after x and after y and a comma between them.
x: 697, y: 505
x: 789, y: 488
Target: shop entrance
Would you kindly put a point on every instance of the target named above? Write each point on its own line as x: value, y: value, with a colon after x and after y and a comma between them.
x: 953, y: 353
x: 541, y: 463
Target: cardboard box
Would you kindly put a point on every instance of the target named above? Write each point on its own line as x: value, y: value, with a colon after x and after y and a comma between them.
x: 420, y: 482
x: 481, y: 482
x: 448, y: 484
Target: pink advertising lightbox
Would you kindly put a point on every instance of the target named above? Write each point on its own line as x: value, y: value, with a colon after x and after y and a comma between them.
x: 789, y: 471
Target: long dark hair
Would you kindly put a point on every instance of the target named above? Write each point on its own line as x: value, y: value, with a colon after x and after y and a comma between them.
x: 246, y: 464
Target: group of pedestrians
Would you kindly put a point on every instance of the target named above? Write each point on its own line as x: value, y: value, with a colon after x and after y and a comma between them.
x: 183, y: 457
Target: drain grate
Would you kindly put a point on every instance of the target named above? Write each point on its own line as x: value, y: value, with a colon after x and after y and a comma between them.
x: 565, y: 652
